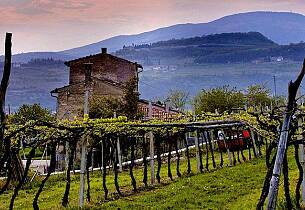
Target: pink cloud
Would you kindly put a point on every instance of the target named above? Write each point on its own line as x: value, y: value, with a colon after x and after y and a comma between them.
x: 78, y: 22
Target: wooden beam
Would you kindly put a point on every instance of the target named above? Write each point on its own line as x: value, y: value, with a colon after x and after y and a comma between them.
x: 282, y: 145
x: 152, y: 157
x: 5, y: 79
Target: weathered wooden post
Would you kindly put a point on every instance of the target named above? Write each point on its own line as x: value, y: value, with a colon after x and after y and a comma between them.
x: 226, y: 146
x: 256, y: 153
x: 302, y: 157
x: 5, y: 78
x: 102, y: 161
x: 212, y: 138
x: 151, y: 148
x: 88, y: 69
x: 301, y: 147
x: 282, y: 145
x: 3, y: 89
x: 118, y: 147
x: 152, y: 157
x: 92, y: 159
x: 197, y: 151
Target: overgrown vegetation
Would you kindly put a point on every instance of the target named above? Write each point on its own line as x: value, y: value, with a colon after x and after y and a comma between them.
x: 108, y: 106
x: 177, y: 99
x: 226, y: 99
x: 105, y: 107
x: 220, y: 99
x: 29, y: 112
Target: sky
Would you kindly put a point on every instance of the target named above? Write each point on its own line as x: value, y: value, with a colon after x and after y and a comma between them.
x: 54, y: 25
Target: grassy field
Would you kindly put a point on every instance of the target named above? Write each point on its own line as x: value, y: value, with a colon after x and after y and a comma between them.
x: 236, y: 187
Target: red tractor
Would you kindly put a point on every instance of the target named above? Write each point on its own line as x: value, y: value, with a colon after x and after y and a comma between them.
x: 233, y: 140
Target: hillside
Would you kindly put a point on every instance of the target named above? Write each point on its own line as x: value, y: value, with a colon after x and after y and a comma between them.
x: 185, y: 64
x: 281, y: 27
x: 216, y: 48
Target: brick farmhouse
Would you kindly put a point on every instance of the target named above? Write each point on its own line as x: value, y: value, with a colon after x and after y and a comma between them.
x: 108, y: 77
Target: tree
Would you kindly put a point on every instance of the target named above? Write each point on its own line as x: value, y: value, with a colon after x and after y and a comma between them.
x: 31, y: 112
x: 177, y: 99
x: 258, y: 95
x: 105, y: 107
x: 221, y: 98
x: 131, y: 98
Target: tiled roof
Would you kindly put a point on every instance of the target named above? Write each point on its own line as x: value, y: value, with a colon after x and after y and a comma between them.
x: 67, y: 63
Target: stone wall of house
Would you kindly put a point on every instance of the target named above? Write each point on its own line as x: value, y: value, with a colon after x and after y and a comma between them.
x: 104, y: 66
x: 109, y: 74
x: 71, y: 99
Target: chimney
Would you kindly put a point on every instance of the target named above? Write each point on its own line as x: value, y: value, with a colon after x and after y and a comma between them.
x: 104, y: 50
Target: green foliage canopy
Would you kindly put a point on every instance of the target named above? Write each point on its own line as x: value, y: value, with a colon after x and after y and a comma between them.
x: 177, y: 99
x: 29, y: 112
x: 105, y: 107
x: 221, y: 98
x: 258, y: 95
x: 131, y: 98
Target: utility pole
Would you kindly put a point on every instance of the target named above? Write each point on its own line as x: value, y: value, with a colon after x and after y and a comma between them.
x: 88, y: 69
x: 151, y: 146
x: 274, y: 82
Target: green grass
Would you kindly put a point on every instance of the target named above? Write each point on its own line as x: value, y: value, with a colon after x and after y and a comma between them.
x: 236, y: 187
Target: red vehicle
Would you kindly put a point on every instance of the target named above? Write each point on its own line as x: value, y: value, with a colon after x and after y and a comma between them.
x: 233, y: 141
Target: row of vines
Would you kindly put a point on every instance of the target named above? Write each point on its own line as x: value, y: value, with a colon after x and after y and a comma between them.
x: 169, y: 139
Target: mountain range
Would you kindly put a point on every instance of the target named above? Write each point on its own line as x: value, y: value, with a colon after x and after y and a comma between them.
x: 280, y: 27
x: 216, y: 48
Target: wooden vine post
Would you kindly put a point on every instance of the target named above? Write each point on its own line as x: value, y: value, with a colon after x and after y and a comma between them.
x: 119, y: 156
x: 283, y: 140
x: 197, y: 151
x: 301, y: 150
x: 256, y: 153
x: 226, y: 146
x: 151, y: 148
x: 5, y: 79
x: 88, y: 68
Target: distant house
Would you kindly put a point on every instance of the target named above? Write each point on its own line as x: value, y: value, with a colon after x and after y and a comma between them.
x: 276, y: 59
x: 109, y: 75
x: 158, y: 111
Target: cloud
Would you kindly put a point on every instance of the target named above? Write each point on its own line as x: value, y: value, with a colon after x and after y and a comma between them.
x: 81, y: 22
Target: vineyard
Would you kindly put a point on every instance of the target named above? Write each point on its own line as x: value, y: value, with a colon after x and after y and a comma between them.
x: 152, y: 150
x: 167, y: 140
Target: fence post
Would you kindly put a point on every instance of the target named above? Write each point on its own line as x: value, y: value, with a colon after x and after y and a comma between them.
x: 212, y: 139
x: 301, y: 146
x: 88, y: 70
x: 102, y: 162
x: 226, y: 146
x: 92, y: 159
x: 151, y: 147
x: 254, y: 143
x: 152, y: 158
x: 119, y: 154
x: 301, y: 156
x: 82, y: 173
x: 197, y: 151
